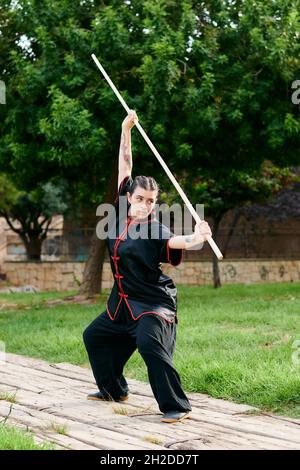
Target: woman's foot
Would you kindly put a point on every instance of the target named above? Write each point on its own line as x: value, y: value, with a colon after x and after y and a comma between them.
x: 100, y: 396
x: 175, y: 416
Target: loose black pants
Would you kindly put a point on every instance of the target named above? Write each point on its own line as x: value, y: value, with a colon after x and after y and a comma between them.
x: 111, y: 343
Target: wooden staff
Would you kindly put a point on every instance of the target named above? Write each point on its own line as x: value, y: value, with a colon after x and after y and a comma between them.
x: 160, y: 159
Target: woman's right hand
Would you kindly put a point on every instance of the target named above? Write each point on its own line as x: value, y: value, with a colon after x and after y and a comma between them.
x: 202, y: 230
x: 130, y: 120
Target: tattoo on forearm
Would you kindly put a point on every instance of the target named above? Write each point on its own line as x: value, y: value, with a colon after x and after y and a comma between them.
x: 189, y: 238
x: 125, y: 150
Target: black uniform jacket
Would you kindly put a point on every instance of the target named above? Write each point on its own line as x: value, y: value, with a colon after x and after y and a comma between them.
x: 136, y: 249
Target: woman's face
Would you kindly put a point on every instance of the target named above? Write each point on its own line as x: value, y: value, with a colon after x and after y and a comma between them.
x: 142, y: 202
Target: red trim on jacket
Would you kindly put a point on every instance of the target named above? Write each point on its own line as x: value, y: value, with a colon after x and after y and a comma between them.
x: 109, y: 314
x: 121, y: 292
x: 118, y: 276
x: 148, y: 313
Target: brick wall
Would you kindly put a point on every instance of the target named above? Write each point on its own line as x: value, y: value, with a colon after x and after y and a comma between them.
x: 67, y: 275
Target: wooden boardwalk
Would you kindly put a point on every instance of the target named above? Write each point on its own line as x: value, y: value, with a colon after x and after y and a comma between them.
x: 50, y: 400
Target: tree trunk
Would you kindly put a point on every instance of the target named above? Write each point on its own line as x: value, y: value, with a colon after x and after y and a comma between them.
x: 236, y: 216
x: 92, y: 275
x: 33, y: 248
x: 215, y: 261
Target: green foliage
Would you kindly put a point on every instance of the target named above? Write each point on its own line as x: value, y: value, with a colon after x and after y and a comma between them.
x: 235, y: 188
x: 12, y: 438
x: 33, y: 210
x: 45, y: 200
x: 210, y: 82
x: 8, y: 194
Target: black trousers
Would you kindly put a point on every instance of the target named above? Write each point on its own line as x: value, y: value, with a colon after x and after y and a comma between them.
x: 110, y: 344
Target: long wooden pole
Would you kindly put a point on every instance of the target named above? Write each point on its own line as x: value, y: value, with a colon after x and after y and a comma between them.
x: 160, y: 159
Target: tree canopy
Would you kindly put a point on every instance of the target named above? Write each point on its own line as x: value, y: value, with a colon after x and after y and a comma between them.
x: 210, y: 81
x: 29, y: 213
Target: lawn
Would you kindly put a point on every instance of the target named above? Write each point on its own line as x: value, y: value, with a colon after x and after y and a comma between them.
x: 234, y: 343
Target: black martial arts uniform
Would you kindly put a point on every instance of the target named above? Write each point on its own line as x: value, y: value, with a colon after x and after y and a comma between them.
x: 141, y: 309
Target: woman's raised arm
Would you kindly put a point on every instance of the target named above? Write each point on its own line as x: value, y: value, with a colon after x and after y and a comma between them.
x: 125, y: 155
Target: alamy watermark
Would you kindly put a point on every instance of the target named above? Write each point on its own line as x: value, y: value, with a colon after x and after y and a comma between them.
x: 2, y: 353
x: 296, y: 94
x: 182, y: 221
x: 2, y: 92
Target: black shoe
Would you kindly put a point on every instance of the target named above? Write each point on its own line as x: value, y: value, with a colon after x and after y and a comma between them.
x: 175, y: 416
x: 100, y: 396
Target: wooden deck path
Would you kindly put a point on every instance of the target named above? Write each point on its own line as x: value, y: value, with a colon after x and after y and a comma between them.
x: 50, y: 400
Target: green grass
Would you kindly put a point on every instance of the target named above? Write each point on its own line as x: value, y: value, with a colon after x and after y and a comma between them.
x: 32, y: 300
x: 58, y: 428
x: 12, y: 438
x: 11, y: 397
x: 233, y: 343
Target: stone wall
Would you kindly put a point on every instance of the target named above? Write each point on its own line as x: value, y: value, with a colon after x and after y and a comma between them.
x: 43, y: 275
x: 67, y: 276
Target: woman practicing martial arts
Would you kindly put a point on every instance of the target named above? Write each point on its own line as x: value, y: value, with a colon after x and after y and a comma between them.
x: 141, y: 309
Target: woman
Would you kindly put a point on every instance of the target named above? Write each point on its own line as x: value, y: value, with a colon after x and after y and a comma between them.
x: 141, y: 309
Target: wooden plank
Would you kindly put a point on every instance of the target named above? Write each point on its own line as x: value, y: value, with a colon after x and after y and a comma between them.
x: 211, y: 414
x: 242, y: 428
x: 209, y: 438
x: 54, y: 380
x: 60, y: 369
x: 123, y: 425
x: 245, y: 440
x: 159, y: 430
x: 218, y: 424
x: 205, y: 401
x: 257, y: 424
x: 102, y: 438
x: 136, y: 388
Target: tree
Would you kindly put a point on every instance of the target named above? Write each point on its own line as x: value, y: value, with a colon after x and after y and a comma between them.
x: 30, y: 214
x: 233, y: 100
x: 283, y: 208
x: 284, y: 205
x: 239, y: 190
x: 52, y: 124
x: 210, y: 81
x: 236, y: 192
